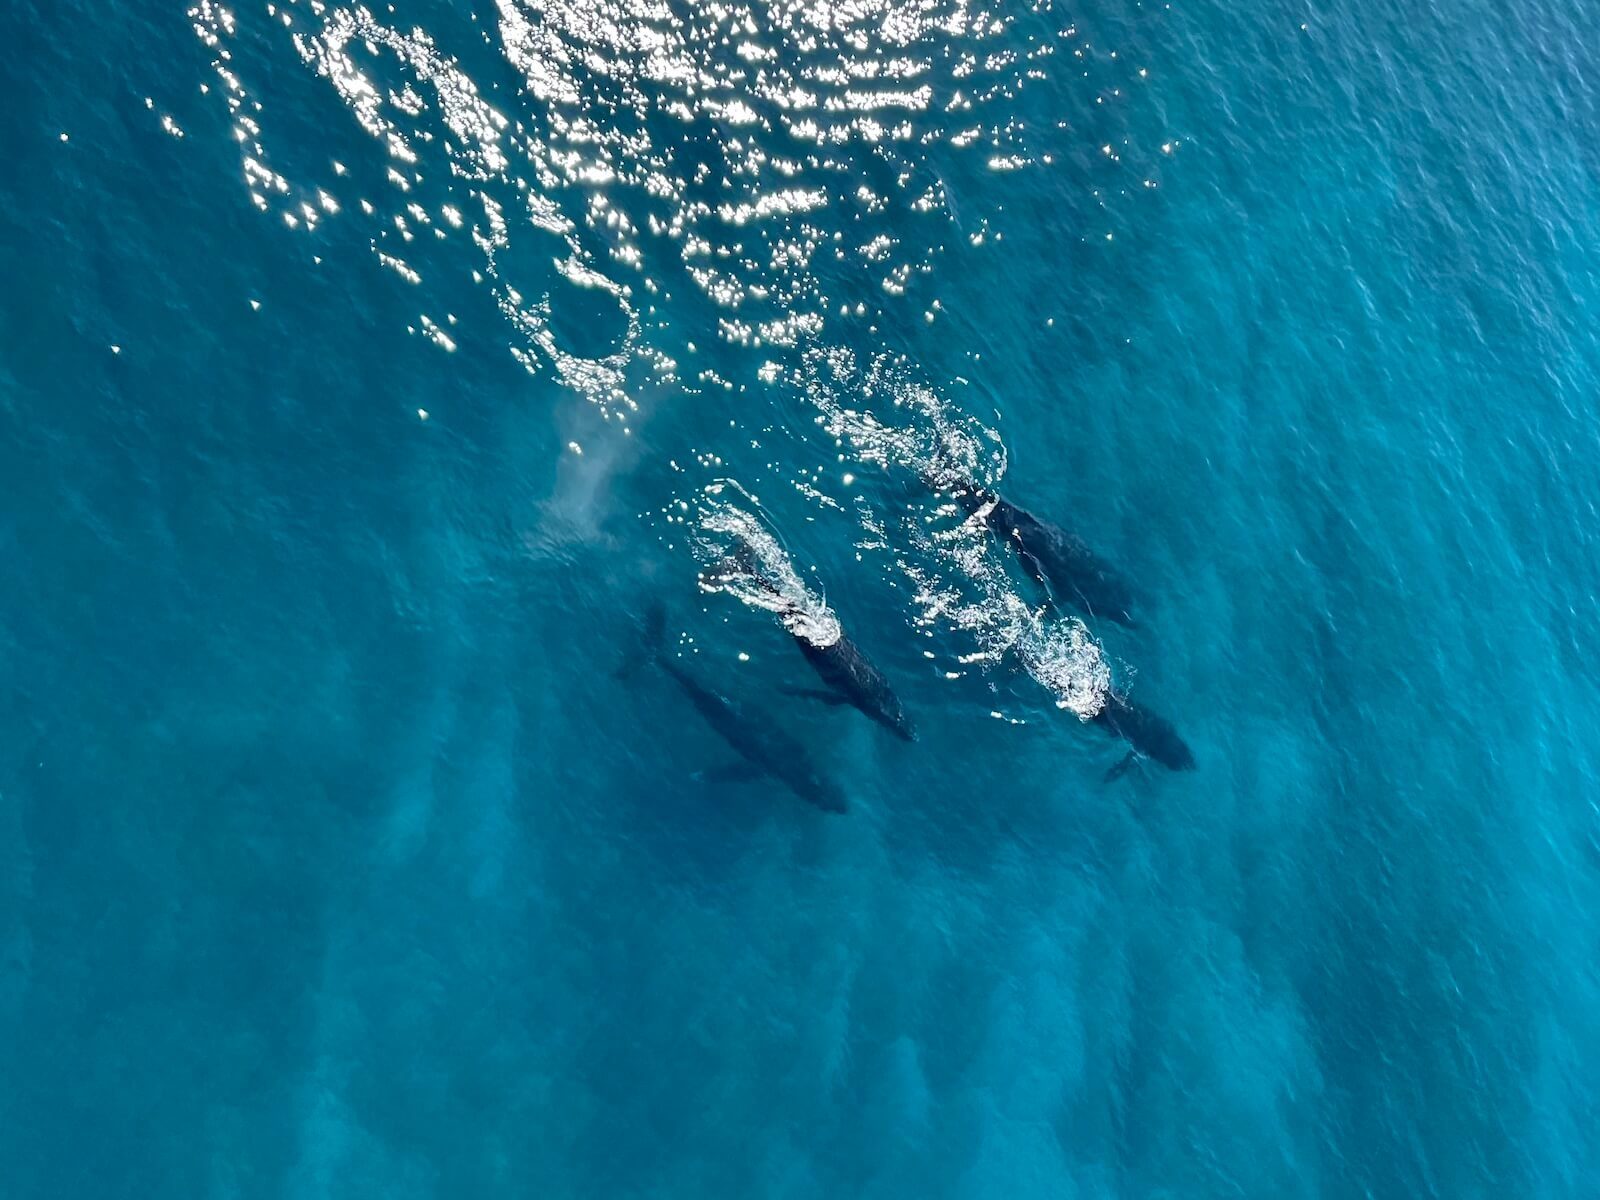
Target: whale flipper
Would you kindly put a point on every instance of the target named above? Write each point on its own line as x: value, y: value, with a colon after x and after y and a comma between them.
x: 831, y: 699
x: 1033, y: 567
x: 1121, y: 768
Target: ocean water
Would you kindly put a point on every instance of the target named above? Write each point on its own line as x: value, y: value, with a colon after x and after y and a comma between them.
x: 369, y: 374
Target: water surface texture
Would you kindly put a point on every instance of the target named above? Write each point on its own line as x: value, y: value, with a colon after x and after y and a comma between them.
x: 371, y: 376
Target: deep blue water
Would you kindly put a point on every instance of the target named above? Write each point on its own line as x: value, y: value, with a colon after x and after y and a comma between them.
x: 335, y: 860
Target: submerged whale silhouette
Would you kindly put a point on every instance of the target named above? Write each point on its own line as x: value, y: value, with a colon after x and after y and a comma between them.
x: 850, y: 676
x: 765, y: 748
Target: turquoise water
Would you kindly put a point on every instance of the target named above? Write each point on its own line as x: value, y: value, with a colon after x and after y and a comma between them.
x: 337, y: 858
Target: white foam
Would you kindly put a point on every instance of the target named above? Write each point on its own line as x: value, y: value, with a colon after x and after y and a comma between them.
x: 768, y: 578
x: 961, y: 574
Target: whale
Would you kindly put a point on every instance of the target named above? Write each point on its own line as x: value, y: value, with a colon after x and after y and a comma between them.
x: 852, y: 679
x: 1061, y: 561
x: 1150, y: 735
x: 763, y: 748
x: 849, y: 676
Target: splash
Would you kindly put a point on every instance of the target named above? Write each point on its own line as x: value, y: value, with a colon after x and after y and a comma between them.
x: 742, y: 558
x: 923, y: 432
x: 961, y: 574
x: 766, y: 157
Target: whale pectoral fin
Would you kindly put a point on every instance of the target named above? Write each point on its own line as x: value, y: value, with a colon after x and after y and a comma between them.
x: 734, y: 772
x: 1121, y: 768
x: 832, y: 699
x: 1030, y: 564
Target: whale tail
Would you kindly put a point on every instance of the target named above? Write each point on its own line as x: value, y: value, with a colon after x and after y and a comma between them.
x: 647, y: 643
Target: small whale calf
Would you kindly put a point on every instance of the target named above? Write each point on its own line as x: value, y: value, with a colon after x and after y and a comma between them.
x: 1059, y: 560
x: 765, y: 748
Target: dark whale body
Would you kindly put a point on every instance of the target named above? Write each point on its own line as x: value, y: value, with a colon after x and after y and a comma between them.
x: 1150, y: 736
x: 853, y: 679
x: 1061, y: 561
x: 850, y: 676
x: 764, y: 747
